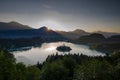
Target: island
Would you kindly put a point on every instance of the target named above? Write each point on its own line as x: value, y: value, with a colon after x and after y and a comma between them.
x: 63, y: 48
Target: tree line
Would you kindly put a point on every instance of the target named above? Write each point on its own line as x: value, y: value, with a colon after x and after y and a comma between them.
x: 62, y: 67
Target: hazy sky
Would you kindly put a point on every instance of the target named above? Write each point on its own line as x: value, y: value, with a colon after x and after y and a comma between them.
x: 89, y: 15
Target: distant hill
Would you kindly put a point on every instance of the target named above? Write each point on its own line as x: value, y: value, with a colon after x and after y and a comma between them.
x: 110, y: 45
x: 107, y: 34
x: 92, y: 38
x: 115, y: 38
x: 73, y: 34
x: 13, y: 26
x: 98, y: 38
x: 78, y: 33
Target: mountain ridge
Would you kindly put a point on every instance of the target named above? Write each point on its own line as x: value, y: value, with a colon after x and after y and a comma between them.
x: 13, y: 26
x: 107, y: 34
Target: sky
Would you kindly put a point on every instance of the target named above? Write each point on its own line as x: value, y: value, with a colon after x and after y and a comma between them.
x: 67, y: 15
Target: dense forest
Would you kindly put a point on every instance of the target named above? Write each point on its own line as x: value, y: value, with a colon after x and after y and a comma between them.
x: 62, y: 67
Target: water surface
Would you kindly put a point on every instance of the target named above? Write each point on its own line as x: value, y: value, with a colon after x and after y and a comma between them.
x: 33, y: 55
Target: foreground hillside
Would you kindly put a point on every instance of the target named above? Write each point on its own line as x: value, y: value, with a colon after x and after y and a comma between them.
x: 59, y: 67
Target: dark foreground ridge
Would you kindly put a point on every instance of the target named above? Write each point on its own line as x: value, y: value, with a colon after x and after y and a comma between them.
x: 62, y: 67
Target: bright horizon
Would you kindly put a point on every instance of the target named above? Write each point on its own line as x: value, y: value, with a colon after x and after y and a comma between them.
x: 94, y: 15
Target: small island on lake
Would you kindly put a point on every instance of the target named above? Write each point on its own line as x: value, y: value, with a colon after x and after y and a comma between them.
x: 64, y: 48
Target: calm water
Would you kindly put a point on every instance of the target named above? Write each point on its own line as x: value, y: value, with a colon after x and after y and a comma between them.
x: 32, y: 56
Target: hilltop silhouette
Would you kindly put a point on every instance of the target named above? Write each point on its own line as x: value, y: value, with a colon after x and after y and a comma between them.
x: 13, y: 26
x: 17, y: 30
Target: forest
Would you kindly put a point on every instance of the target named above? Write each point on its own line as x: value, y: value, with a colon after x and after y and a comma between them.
x: 62, y: 67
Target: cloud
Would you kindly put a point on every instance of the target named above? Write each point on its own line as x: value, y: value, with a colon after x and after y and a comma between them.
x: 46, y: 6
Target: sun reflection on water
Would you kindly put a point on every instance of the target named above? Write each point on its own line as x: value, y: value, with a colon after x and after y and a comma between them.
x: 50, y: 48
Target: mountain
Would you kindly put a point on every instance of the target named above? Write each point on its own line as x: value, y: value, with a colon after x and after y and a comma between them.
x: 100, y: 43
x: 73, y: 34
x: 99, y: 38
x: 44, y: 29
x: 114, y: 38
x: 49, y: 34
x: 92, y: 38
x: 77, y: 31
x: 44, y: 33
x: 16, y: 30
x: 107, y: 34
x: 13, y: 26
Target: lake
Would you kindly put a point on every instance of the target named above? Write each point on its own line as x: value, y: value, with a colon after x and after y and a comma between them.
x: 35, y: 54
